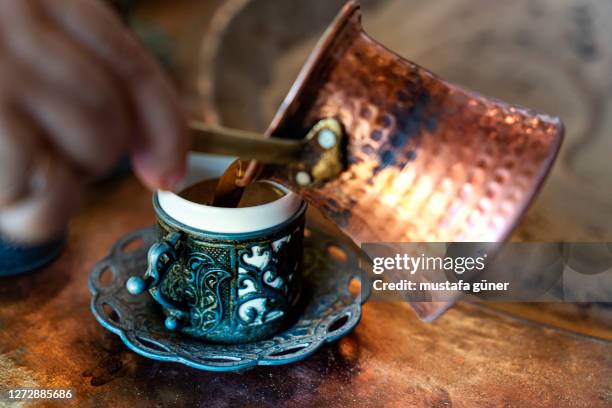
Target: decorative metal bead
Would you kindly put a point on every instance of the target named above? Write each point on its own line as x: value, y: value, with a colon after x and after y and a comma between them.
x: 171, y: 323
x: 327, y: 138
x: 303, y: 178
x: 135, y: 285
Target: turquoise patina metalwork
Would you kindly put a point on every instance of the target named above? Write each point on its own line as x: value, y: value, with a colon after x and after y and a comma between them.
x: 327, y: 310
x: 227, y: 288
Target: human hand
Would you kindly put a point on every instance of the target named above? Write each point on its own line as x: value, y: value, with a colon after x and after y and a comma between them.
x: 77, y: 92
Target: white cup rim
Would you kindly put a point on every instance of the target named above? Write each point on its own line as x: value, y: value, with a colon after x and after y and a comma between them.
x: 225, y: 220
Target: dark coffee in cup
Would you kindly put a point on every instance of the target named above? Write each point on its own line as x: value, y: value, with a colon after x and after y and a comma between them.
x: 256, y: 193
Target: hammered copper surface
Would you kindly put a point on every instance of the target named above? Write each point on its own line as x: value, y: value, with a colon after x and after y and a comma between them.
x: 428, y: 161
x: 552, y: 55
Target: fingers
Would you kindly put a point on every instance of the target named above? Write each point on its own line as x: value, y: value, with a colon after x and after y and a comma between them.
x: 77, y: 131
x: 76, y: 91
x: 39, y: 191
x: 16, y: 155
x: 77, y: 101
x: 160, y: 148
x: 44, y: 214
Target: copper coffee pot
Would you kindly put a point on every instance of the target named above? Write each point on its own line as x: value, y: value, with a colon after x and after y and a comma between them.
x: 390, y: 152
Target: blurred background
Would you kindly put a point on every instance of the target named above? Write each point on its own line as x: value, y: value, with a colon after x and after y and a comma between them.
x: 235, y: 60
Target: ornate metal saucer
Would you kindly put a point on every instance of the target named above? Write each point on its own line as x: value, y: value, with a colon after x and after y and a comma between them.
x: 329, y: 310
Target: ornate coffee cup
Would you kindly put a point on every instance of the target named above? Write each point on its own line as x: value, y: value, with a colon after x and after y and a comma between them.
x: 225, y: 275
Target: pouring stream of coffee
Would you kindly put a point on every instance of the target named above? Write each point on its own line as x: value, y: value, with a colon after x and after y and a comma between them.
x: 246, y: 145
x: 228, y: 191
x: 316, y: 157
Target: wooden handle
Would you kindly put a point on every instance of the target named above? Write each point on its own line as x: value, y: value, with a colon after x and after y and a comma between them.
x: 245, y: 145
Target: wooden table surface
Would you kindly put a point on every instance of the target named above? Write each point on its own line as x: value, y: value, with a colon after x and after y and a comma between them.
x: 472, y: 356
